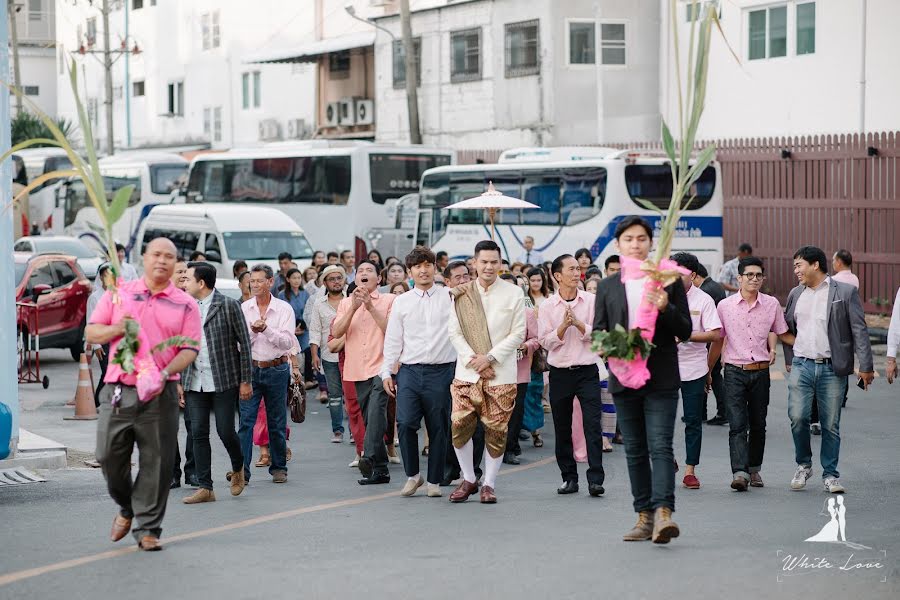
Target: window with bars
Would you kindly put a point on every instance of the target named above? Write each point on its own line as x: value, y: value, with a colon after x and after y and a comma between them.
x: 465, y: 55
x: 523, y: 48
x: 613, y: 44
x: 399, y: 62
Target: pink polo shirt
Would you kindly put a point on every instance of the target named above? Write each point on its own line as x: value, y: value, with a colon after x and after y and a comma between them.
x: 692, y: 356
x: 575, y: 347
x: 746, y: 328
x: 847, y: 276
x: 162, y: 315
x: 364, y: 340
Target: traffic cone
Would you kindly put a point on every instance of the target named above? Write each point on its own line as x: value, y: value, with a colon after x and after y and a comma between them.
x: 84, y: 394
x: 84, y: 357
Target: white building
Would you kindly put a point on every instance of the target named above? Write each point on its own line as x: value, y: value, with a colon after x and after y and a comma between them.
x: 36, y: 32
x: 188, y: 85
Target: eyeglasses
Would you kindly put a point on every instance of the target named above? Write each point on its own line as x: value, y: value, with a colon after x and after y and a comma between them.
x: 752, y: 276
x: 333, y: 279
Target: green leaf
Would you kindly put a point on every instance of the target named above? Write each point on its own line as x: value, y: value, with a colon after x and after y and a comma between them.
x: 648, y: 205
x: 119, y: 203
x: 703, y: 159
x: 178, y: 340
x: 668, y: 143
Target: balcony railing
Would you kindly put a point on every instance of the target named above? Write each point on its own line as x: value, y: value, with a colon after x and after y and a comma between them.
x: 36, y: 26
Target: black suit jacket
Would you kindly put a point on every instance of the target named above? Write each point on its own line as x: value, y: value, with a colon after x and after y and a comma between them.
x: 611, y: 309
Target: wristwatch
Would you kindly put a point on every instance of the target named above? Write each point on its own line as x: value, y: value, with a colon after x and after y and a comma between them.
x: 491, y: 358
x: 165, y: 373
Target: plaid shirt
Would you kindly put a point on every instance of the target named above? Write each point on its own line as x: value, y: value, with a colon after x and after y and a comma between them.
x: 228, y: 339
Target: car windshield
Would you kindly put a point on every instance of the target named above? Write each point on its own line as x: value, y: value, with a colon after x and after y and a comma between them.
x: 20, y: 271
x: 72, y: 247
x: 265, y: 245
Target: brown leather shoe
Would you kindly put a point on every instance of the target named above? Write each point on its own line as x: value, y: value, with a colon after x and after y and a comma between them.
x: 487, y: 495
x: 664, y: 528
x: 279, y: 477
x: 237, y: 482
x: 265, y: 459
x: 150, y: 543
x: 642, y: 530
x: 463, y: 491
x: 120, y: 528
x: 200, y: 496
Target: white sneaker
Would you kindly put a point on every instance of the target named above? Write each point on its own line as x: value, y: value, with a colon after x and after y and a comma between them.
x: 833, y: 485
x: 355, y: 462
x: 800, y: 476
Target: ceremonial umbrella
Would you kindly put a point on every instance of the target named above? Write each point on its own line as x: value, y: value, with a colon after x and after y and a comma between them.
x: 492, y: 200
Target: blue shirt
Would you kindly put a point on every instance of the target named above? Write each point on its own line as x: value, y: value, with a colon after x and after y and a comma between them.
x: 298, y: 303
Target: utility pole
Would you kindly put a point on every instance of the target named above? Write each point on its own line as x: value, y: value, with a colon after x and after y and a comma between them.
x: 412, y: 96
x: 107, y: 69
x: 14, y: 40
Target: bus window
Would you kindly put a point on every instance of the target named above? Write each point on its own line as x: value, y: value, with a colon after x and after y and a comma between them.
x: 113, y: 181
x: 76, y: 199
x: 321, y: 179
x: 166, y: 178
x: 394, y: 175
x: 583, y: 191
x: 654, y: 184
x: 508, y: 183
x: 541, y: 188
x: 466, y: 185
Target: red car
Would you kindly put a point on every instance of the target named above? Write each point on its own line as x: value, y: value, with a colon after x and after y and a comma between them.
x: 60, y: 289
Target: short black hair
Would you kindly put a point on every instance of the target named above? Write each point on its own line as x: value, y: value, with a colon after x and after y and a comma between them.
x: 205, y: 272
x: 119, y: 246
x: 688, y: 261
x: 332, y: 255
x: 489, y: 245
x: 508, y: 277
x: 701, y: 271
x: 419, y: 255
x: 631, y: 221
x: 374, y: 266
x: 583, y: 252
x: 441, y: 255
x: 746, y: 248
x: 844, y: 256
x: 343, y: 252
x: 557, y: 265
x: 455, y: 265
x: 592, y: 270
x: 813, y: 254
x: 612, y: 258
x: 242, y: 275
x: 750, y: 261
x: 195, y: 255
x: 102, y: 270
x: 238, y: 264
x: 285, y: 255
x: 263, y: 268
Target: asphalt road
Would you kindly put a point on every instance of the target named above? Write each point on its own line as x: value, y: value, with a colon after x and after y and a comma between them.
x: 321, y: 535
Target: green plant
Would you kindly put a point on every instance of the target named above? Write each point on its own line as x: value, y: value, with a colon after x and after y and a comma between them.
x: 27, y: 126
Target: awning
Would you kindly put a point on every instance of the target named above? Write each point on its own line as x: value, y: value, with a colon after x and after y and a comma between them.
x: 311, y: 51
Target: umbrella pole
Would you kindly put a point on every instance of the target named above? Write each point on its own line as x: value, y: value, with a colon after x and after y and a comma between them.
x: 491, y: 213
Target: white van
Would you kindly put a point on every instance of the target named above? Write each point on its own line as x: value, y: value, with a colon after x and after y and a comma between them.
x: 42, y: 201
x: 225, y: 233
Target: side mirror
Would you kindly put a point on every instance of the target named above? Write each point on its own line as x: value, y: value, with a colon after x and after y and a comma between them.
x: 213, y: 256
x: 40, y: 290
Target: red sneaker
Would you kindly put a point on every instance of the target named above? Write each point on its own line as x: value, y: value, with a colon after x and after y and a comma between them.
x: 691, y: 482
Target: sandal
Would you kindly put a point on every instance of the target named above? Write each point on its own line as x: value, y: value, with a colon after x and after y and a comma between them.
x: 538, y: 442
x: 607, y: 444
x: 265, y: 459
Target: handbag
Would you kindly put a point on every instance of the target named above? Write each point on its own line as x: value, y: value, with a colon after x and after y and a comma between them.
x: 296, y: 397
x: 539, y: 361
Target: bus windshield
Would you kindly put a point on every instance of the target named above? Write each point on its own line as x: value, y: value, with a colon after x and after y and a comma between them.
x: 265, y: 245
x: 395, y: 175
x: 166, y: 178
x: 307, y: 179
x: 653, y: 183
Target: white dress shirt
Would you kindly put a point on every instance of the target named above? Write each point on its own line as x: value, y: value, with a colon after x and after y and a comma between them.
x: 533, y: 258
x: 634, y: 294
x: 893, y: 339
x: 504, y: 308
x: 202, y: 381
x: 417, y: 330
x: 812, y: 322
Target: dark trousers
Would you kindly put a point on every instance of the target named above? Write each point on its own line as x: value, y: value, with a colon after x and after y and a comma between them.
x: 647, y: 422
x: 200, y: 405
x: 693, y: 401
x: 190, y: 470
x: 154, y: 427
x: 269, y: 386
x: 373, y: 402
x: 424, y: 391
x: 565, y: 384
x: 718, y: 390
x: 515, y: 420
x: 746, y: 407
x: 104, y: 363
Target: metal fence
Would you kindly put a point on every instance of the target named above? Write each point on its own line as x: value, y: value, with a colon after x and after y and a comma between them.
x: 830, y: 191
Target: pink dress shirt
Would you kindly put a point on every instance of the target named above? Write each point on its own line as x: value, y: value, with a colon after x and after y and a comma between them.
x: 746, y: 328
x: 693, y: 356
x: 523, y: 366
x: 278, y: 339
x: 847, y: 276
x: 364, y: 340
x: 575, y: 348
x: 162, y: 315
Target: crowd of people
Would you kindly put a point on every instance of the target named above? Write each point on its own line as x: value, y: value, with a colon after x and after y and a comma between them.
x: 478, y: 350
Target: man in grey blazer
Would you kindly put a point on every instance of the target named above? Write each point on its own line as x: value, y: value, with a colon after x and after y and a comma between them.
x: 830, y: 327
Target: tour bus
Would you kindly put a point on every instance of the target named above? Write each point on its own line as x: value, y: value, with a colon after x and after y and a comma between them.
x: 157, y: 177
x: 343, y: 193
x: 582, y: 195
x: 42, y: 200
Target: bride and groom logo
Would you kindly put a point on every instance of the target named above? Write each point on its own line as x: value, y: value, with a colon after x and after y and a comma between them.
x: 835, y: 531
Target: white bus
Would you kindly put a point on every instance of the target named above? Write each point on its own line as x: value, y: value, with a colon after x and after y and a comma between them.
x: 583, y: 194
x: 342, y: 193
x: 157, y: 177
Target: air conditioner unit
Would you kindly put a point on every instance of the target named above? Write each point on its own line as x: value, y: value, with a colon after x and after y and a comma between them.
x: 296, y: 128
x: 333, y: 114
x: 365, y: 112
x: 269, y: 129
x: 348, y: 111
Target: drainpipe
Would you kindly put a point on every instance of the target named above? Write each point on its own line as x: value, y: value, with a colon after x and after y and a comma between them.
x: 127, y: 83
x: 862, y: 70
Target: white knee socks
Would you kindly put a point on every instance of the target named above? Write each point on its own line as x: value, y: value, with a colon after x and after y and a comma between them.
x: 465, y: 457
x: 491, y: 468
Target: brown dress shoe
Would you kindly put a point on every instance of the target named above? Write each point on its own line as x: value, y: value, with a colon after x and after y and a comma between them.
x: 487, y: 495
x: 237, y: 482
x: 150, y: 543
x: 642, y: 530
x: 200, y: 496
x: 279, y: 477
x: 664, y: 528
x: 120, y: 528
x: 463, y: 491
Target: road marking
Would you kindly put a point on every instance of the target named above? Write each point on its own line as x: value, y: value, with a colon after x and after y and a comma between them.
x: 16, y: 576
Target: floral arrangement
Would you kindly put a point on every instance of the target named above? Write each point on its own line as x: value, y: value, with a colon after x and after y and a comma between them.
x: 628, y: 351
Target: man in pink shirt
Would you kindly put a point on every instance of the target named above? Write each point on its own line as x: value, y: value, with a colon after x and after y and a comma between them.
x: 272, y: 341
x: 841, y: 264
x: 748, y: 317
x: 163, y: 312
x: 564, y: 328
x: 693, y: 364
x: 362, y: 320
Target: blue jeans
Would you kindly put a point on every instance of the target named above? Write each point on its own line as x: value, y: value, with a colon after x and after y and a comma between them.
x: 335, y: 395
x: 808, y: 382
x: 693, y: 400
x: 647, y: 422
x: 269, y: 385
